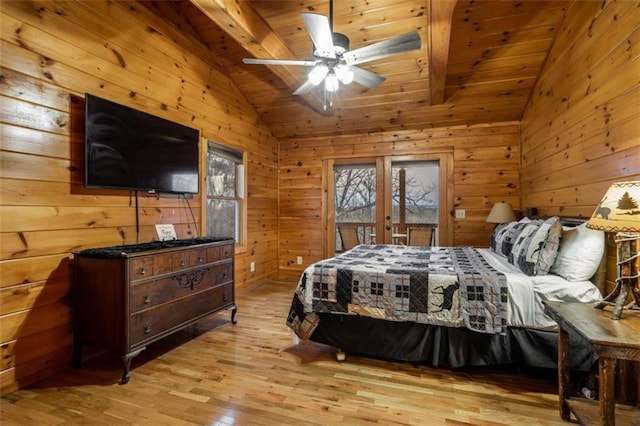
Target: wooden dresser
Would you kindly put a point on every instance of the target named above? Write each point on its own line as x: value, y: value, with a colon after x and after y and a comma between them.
x: 129, y: 296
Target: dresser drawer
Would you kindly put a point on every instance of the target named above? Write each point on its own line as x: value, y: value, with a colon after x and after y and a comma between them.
x: 178, y: 285
x: 149, y: 266
x: 181, y: 260
x: 141, y: 267
x: 198, y: 257
x: 148, y: 324
x: 220, y: 252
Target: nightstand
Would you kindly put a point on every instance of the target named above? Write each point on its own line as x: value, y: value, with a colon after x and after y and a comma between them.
x: 610, y: 340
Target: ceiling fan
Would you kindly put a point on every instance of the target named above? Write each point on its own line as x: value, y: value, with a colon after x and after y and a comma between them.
x: 333, y: 63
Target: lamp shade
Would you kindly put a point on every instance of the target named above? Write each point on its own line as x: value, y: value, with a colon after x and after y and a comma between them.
x: 619, y: 210
x: 501, y: 212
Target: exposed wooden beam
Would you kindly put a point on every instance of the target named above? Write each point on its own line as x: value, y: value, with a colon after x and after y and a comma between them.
x: 245, y: 26
x: 440, y: 17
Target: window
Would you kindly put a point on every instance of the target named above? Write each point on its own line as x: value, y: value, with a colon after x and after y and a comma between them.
x: 225, y: 192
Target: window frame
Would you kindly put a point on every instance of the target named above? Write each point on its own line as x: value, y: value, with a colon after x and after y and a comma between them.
x: 240, y: 157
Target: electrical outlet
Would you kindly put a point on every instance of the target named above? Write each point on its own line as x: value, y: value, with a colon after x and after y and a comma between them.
x: 252, y: 266
x: 299, y: 260
x: 461, y: 213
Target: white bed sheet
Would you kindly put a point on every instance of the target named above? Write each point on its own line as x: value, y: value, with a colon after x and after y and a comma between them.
x: 526, y: 293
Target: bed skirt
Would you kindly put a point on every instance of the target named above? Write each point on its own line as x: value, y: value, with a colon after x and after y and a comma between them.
x: 443, y: 346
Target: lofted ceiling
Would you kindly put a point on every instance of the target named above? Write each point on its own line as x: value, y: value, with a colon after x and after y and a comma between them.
x: 478, y: 63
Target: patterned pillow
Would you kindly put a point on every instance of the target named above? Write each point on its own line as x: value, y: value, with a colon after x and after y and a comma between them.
x: 504, y: 236
x: 536, y: 248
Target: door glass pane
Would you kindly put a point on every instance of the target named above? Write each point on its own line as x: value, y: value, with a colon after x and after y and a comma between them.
x: 355, y: 203
x: 414, y: 194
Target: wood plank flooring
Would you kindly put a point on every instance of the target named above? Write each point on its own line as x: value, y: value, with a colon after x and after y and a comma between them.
x: 256, y: 373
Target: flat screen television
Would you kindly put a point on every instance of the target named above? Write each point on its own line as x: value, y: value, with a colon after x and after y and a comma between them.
x: 130, y: 149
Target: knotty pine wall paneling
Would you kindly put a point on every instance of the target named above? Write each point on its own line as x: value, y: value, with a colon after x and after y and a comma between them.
x: 52, y: 53
x: 581, y: 127
x: 485, y: 170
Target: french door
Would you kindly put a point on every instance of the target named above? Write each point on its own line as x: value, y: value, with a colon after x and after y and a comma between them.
x: 383, y: 196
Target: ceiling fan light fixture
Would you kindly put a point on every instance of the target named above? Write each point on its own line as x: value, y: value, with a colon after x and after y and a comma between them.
x: 331, y: 82
x: 344, y: 73
x: 317, y: 74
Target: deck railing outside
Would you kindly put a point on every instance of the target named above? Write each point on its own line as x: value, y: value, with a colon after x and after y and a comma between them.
x: 367, y: 232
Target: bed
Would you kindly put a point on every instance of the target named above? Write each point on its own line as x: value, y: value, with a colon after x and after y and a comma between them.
x: 454, y: 306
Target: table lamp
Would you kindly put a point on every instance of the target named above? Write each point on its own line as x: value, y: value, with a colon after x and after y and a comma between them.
x: 500, y: 213
x: 619, y: 212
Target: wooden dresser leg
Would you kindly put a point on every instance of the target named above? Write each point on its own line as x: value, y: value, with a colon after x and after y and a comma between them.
x: 606, y: 391
x: 563, y: 374
x: 126, y: 364
x: 234, y: 310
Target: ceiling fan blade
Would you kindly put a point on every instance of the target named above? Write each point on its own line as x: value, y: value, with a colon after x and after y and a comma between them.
x: 368, y: 79
x: 321, y: 34
x: 382, y: 49
x: 306, y: 87
x: 258, y: 61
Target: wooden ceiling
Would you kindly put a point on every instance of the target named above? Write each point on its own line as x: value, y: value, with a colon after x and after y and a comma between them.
x: 478, y: 63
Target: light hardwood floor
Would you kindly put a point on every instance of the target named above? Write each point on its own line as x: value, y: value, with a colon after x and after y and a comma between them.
x: 255, y: 373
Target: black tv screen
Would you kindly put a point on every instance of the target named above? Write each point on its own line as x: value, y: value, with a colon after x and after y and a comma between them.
x: 130, y: 149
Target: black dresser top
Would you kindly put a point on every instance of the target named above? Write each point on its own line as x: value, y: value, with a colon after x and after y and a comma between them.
x: 119, y: 251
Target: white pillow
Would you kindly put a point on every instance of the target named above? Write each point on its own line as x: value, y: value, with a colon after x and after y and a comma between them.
x: 580, y: 252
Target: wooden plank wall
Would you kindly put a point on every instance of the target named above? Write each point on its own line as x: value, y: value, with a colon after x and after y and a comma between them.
x: 486, y: 164
x: 581, y: 128
x: 52, y: 53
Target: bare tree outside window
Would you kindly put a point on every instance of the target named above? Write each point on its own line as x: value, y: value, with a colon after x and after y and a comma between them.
x: 355, y: 194
x: 421, y: 192
x: 224, y: 192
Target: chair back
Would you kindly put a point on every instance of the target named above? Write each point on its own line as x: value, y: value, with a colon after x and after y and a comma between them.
x: 348, y: 236
x: 419, y: 236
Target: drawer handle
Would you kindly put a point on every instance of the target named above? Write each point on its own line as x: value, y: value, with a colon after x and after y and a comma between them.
x: 147, y: 300
x: 201, y: 259
x: 143, y: 271
x: 190, y: 279
x: 182, y: 262
x: 224, y: 297
x: 147, y: 329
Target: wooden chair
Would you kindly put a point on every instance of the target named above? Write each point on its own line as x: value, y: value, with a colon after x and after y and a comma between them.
x: 419, y: 236
x: 348, y: 236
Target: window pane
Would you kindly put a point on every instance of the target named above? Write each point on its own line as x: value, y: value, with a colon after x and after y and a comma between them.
x: 420, y: 192
x: 222, y: 216
x: 355, y: 188
x: 222, y: 177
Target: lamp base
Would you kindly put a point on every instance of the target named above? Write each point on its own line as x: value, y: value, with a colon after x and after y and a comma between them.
x: 628, y: 280
x: 619, y: 294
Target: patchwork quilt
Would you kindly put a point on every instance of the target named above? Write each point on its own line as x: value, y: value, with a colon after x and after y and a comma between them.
x: 447, y: 286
